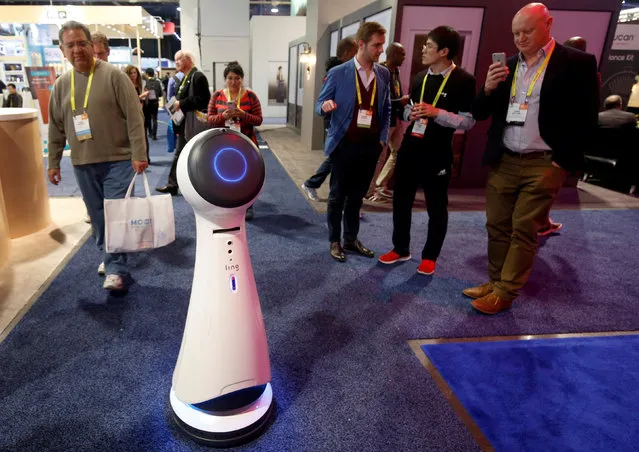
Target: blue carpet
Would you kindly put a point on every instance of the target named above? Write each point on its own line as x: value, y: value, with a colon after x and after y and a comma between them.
x: 84, y: 370
x: 572, y: 394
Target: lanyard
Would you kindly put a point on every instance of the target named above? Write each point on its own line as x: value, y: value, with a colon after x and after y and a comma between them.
x: 227, y: 93
x: 86, y: 95
x: 359, y: 93
x: 542, y: 68
x: 441, y: 87
x: 186, y: 77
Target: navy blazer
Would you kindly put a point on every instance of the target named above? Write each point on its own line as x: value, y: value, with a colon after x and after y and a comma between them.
x: 340, y: 87
x: 568, y: 107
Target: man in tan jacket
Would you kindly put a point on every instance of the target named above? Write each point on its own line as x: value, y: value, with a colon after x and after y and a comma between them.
x: 95, y: 108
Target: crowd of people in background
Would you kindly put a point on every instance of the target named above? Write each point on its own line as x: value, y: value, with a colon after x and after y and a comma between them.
x: 381, y: 143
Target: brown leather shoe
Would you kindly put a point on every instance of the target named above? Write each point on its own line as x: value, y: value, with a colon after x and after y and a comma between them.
x: 491, y: 304
x: 357, y: 247
x: 337, y: 252
x: 479, y: 291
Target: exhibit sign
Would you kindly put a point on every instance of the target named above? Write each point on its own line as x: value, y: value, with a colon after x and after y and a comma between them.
x: 619, y: 71
x: 41, y: 80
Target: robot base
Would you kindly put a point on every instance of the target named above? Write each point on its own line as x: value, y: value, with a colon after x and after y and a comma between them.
x: 227, y: 421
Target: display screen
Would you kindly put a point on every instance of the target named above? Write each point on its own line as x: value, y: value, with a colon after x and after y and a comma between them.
x: 226, y: 168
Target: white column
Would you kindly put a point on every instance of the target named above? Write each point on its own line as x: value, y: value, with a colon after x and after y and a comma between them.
x: 221, y: 40
x: 137, y: 43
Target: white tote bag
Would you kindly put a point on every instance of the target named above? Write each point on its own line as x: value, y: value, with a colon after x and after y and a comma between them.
x: 137, y: 224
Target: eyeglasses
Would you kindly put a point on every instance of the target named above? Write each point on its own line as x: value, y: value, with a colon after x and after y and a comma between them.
x: 79, y: 44
x: 429, y: 46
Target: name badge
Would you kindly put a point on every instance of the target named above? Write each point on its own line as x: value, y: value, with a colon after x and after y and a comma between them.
x: 235, y: 125
x: 82, y: 127
x: 365, y: 118
x: 419, y: 128
x: 517, y: 114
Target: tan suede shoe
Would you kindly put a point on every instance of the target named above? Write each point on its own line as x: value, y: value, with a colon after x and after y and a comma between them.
x: 491, y: 304
x: 479, y: 291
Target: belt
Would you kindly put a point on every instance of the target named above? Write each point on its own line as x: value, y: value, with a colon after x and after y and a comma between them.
x: 528, y: 155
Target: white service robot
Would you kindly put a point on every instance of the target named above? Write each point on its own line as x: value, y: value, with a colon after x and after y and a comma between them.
x: 221, y: 393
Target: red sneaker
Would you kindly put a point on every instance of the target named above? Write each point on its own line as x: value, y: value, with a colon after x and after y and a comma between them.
x: 391, y: 257
x: 427, y: 267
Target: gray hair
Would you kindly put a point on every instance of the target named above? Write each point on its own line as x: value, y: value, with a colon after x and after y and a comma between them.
x: 100, y: 38
x: 187, y: 54
x: 73, y: 25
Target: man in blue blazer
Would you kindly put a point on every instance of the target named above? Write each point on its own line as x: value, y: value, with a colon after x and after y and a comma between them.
x: 357, y: 95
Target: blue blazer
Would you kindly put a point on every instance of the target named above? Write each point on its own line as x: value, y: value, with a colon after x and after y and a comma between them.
x: 340, y: 87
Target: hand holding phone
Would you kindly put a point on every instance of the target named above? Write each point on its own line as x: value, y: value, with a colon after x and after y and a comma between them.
x: 497, y: 73
x: 499, y: 57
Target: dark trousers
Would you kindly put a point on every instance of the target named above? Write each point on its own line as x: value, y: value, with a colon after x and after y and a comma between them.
x: 317, y: 179
x: 352, y: 167
x: 414, y: 170
x: 181, y: 142
x: 151, y: 118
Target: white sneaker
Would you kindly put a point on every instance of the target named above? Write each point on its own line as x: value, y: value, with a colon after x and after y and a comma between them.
x: 311, y: 193
x: 113, y: 282
x: 101, y: 269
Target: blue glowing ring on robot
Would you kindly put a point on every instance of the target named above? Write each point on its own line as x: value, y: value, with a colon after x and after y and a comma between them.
x: 218, y: 172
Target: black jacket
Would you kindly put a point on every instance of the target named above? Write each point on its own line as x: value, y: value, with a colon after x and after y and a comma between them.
x: 437, y: 144
x: 568, y: 106
x: 199, y: 99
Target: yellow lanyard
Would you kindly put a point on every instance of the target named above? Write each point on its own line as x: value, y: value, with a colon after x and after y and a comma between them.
x: 542, y: 68
x: 86, y: 95
x: 441, y: 88
x: 186, y: 77
x: 227, y: 93
x: 359, y: 93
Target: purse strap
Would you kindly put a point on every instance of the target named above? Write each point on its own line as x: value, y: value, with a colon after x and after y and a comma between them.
x: 146, y: 186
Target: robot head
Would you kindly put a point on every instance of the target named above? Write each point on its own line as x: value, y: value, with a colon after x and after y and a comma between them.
x: 220, y: 172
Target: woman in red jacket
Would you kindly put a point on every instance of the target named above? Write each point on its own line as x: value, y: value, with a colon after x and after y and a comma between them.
x: 236, y: 107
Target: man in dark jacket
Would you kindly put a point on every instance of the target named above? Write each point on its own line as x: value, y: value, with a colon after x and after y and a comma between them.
x: 154, y: 87
x: 544, y: 104
x: 192, y: 94
x: 13, y: 100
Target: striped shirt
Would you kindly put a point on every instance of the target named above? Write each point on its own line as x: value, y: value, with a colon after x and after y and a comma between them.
x: 249, y: 103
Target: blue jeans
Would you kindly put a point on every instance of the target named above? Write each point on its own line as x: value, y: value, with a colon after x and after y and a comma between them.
x: 170, y: 137
x: 97, y: 182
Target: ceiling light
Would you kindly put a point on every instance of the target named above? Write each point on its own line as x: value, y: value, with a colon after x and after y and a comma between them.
x: 274, y: 10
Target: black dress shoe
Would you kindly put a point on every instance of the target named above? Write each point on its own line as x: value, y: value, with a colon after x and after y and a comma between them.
x: 337, y: 252
x: 249, y: 214
x: 168, y: 189
x: 357, y: 247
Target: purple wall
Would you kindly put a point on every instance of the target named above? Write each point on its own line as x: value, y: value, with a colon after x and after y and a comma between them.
x: 497, y: 37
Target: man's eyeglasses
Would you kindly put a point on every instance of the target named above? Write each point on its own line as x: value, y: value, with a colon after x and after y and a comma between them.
x: 80, y: 44
x: 429, y: 46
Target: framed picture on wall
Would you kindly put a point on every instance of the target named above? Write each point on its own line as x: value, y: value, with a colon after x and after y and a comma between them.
x: 277, y: 83
x: 350, y: 30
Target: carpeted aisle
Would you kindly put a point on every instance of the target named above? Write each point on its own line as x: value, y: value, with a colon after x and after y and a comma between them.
x: 85, y: 370
x: 548, y: 394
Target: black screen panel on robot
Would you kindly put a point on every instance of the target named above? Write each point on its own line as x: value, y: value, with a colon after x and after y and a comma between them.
x: 226, y: 169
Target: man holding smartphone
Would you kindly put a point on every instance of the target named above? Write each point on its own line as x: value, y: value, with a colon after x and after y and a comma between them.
x: 441, y: 100
x: 544, y: 104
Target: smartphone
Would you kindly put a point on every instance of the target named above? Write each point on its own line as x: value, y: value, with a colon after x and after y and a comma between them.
x: 499, y: 58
